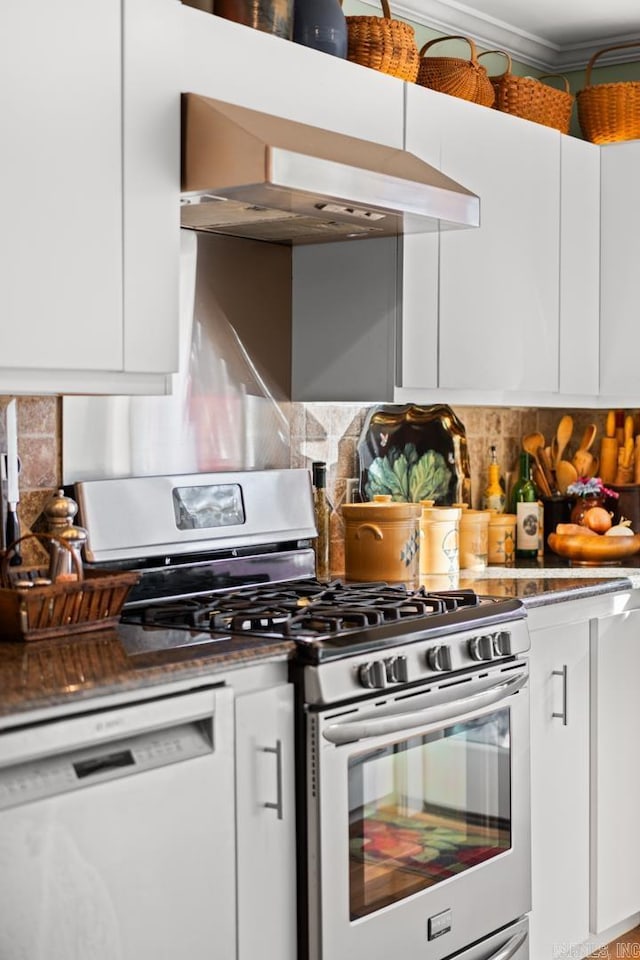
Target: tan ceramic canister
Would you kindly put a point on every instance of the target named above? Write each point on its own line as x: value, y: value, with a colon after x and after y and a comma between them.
x: 502, y: 538
x: 474, y: 539
x: 381, y: 541
x: 439, y: 546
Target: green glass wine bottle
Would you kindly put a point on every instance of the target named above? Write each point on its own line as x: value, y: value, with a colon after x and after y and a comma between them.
x: 524, y: 503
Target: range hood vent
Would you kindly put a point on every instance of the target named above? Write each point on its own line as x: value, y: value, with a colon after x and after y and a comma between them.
x: 250, y: 174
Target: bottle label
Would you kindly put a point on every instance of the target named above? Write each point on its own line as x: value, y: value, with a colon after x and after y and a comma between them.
x: 527, y: 523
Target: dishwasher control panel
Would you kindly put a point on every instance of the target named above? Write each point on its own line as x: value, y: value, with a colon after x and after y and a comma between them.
x: 50, y: 776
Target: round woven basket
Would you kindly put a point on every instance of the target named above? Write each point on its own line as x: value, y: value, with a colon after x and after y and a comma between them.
x: 609, y: 112
x: 466, y: 79
x: 528, y: 98
x: 384, y: 44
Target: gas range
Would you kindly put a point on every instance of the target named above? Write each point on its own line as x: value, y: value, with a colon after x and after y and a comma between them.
x: 228, y: 556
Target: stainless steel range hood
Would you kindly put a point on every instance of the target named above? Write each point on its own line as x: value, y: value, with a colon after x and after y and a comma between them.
x: 250, y: 174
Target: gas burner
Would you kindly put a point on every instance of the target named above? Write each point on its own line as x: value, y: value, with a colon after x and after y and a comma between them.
x: 181, y: 613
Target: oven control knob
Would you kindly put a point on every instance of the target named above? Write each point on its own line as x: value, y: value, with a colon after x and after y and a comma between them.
x: 481, y: 648
x: 439, y: 657
x: 373, y: 674
x: 502, y: 643
x: 396, y: 669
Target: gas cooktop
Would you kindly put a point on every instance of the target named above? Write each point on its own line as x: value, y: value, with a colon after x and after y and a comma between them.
x: 325, y: 620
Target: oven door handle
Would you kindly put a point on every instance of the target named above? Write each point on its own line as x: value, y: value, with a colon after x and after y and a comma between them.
x: 457, y: 709
x: 510, y: 948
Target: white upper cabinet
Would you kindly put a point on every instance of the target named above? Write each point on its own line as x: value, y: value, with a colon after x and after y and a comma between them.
x: 228, y: 61
x: 620, y: 276
x: 498, y: 315
x: 86, y: 298
x: 579, y: 266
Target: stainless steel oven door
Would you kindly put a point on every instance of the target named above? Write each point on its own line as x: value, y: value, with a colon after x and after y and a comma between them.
x: 419, y: 824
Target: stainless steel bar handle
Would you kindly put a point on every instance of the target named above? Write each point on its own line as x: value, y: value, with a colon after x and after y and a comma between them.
x: 354, y: 730
x: 562, y: 673
x: 510, y: 948
x: 277, y: 806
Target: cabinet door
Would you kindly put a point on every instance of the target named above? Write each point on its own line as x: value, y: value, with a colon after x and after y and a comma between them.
x: 616, y: 781
x: 579, y: 267
x: 231, y: 62
x: 499, y: 284
x: 559, y: 787
x: 265, y: 820
x: 61, y: 185
x: 620, y: 277
x: 151, y: 197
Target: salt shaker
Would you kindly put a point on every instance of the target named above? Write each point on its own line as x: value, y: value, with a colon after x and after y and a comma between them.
x: 64, y: 563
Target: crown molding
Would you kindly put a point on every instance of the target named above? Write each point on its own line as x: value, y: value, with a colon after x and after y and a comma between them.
x: 450, y: 17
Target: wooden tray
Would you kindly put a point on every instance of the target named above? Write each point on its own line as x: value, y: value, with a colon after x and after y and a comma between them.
x: 593, y: 551
x: 92, y: 602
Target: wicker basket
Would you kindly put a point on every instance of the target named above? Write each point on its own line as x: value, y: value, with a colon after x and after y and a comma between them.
x: 530, y: 99
x: 466, y: 79
x: 63, y: 608
x: 609, y: 112
x: 384, y: 44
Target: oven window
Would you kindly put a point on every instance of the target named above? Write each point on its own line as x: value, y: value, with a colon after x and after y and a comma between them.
x: 428, y: 808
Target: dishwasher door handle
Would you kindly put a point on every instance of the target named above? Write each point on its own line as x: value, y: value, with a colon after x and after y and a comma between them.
x: 110, y: 723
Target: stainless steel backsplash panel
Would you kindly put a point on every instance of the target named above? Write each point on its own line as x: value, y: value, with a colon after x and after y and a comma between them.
x: 222, y: 414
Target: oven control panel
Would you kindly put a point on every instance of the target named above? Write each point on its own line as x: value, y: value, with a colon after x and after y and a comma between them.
x: 438, y: 658
x: 409, y: 663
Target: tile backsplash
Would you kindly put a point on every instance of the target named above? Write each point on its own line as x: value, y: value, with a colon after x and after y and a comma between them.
x: 40, y: 452
x: 328, y: 432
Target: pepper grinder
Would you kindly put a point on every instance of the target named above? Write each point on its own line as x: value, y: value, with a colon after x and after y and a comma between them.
x: 60, y: 511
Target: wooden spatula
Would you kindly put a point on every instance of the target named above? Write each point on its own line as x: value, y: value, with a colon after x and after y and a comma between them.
x: 563, y: 436
x: 566, y: 474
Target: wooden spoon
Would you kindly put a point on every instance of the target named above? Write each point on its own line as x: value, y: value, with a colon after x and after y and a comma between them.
x: 563, y: 436
x: 547, y: 468
x: 566, y: 474
x: 583, y: 462
x: 531, y: 443
x: 588, y: 437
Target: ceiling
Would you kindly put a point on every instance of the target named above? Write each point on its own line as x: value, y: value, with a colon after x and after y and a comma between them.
x: 543, y: 33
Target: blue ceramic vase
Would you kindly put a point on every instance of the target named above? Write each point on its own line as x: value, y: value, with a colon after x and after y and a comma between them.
x: 320, y: 24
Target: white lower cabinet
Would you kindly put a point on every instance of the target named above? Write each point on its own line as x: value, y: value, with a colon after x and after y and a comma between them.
x: 615, y: 708
x: 265, y: 819
x: 559, y: 788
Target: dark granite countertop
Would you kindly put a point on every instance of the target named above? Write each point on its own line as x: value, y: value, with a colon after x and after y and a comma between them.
x: 46, y: 673
x: 42, y: 674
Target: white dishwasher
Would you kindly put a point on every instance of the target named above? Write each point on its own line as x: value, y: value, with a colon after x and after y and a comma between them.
x: 117, y: 837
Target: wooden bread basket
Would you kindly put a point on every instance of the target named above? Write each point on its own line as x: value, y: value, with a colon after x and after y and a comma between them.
x: 530, y: 99
x: 466, y: 79
x: 609, y: 112
x: 93, y: 601
x: 384, y: 44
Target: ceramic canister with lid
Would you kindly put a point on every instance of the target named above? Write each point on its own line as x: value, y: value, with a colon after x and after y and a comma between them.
x: 439, y: 539
x: 502, y: 538
x: 474, y: 539
x: 381, y: 541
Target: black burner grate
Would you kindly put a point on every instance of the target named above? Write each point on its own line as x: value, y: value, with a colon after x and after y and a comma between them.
x: 304, y: 608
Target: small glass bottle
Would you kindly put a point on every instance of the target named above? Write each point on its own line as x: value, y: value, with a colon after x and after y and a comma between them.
x: 322, y: 511
x: 493, y: 497
x: 524, y: 503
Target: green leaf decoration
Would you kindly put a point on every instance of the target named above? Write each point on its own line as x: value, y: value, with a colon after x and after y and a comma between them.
x: 407, y: 477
